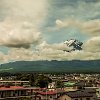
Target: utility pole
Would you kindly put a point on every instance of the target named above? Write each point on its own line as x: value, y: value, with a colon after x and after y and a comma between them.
x: 46, y: 94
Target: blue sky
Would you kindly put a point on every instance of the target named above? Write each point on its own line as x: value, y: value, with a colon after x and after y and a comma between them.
x: 65, y: 9
x: 30, y: 27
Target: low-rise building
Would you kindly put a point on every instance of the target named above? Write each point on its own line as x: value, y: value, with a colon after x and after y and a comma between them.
x: 52, y: 86
x: 51, y: 95
x: 16, y: 83
x: 79, y: 95
x: 29, y: 93
x: 14, y: 92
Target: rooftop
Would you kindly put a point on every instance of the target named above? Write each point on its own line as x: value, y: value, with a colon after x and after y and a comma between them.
x: 11, y: 88
x: 69, y: 83
x: 77, y: 94
x: 48, y: 92
x: 52, y: 92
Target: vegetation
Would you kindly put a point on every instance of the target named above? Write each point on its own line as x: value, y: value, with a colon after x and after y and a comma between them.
x: 35, y: 80
x: 42, y: 81
x: 73, y: 66
x: 59, y: 84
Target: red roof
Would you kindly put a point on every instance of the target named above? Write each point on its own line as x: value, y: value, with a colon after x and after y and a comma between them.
x: 48, y: 92
x: 11, y: 88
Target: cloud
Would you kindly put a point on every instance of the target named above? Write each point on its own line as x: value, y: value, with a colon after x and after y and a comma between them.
x: 84, y: 16
x: 78, y: 9
x: 92, y: 45
x: 18, y: 34
x: 44, y: 51
x: 47, y: 51
x: 91, y: 27
x: 55, y: 46
x: 21, y: 21
x: 1, y: 56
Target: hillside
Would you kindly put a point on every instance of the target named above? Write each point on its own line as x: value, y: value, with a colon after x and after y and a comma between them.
x: 52, y: 66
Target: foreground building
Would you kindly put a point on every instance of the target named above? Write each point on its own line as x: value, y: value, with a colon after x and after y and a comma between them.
x: 14, y: 92
x: 30, y: 93
x: 79, y: 95
x: 34, y: 93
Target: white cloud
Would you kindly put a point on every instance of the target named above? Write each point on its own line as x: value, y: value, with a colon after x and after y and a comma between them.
x: 20, y: 25
x: 18, y: 34
x: 47, y: 51
x: 55, y: 46
x: 92, y: 45
x: 91, y: 27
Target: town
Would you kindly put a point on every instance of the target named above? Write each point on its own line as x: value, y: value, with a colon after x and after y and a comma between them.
x: 49, y: 86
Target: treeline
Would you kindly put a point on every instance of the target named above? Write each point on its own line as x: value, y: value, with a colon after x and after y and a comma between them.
x: 37, y: 80
x: 34, y: 79
x: 6, y: 74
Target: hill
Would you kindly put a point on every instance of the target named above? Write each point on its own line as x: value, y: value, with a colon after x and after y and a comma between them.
x: 52, y: 66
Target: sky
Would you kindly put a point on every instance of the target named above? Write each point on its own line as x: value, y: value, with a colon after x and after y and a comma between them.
x: 36, y: 29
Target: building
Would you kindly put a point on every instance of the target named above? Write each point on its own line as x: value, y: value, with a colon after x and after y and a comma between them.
x: 51, y: 95
x: 20, y: 83
x: 52, y: 86
x: 29, y: 93
x: 79, y: 95
x: 14, y: 92
x: 48, y: 95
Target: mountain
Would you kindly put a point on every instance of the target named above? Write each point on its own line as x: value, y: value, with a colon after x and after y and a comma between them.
x: 52, y: 66
x: 75, y: 44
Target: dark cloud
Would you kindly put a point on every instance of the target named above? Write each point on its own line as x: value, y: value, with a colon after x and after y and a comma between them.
x: 26, y: 46
x: 89, y: 1
x: 73, y: 3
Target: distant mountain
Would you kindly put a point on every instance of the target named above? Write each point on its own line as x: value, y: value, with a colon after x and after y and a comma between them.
x: 75, y: 44
x: 52, y: 66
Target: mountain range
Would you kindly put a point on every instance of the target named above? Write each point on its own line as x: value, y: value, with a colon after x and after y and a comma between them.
x: 52, y: 66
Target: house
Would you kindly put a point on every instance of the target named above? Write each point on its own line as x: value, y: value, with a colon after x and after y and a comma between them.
x: 91, y: 91
x: 29, y: 93
x: 48, y: 95
x: 79, y: 95
x: 16, y: 83
x: 52, y: 86
x: 14, y: 92
x: 51, y: 95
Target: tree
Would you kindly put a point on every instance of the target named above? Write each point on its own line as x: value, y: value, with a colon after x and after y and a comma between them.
x: 37, y: 80
x: 26, y: 77
x: 31, y: 79
x: 42, y: 81
x: 59, y: 84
